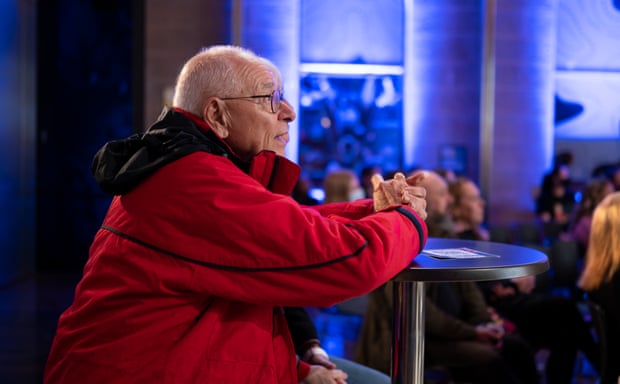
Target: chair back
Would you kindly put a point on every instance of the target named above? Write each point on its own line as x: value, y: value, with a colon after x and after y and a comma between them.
x: 543, y: 280
x: 564, y: 261
x: 501, y: 234
x: 599, y: 322
x: 529, y: 234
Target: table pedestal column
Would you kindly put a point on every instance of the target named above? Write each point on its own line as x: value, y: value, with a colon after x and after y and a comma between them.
x: 408, y: 333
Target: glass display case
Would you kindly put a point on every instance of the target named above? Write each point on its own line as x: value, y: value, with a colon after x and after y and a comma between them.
x: 350, y: 120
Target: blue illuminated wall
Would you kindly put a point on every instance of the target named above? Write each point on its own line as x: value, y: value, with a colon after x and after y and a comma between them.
x: 587, y: 84
x: 588, y: 70
x: 85, y: 52
x: 438, y: 45
x: 352, y: 31
x: 17, y: 133
x: 351, y: 86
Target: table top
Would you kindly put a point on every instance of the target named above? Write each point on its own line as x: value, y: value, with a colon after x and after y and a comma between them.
x: 501, y: 261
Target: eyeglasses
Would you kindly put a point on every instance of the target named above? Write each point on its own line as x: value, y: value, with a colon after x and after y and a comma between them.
x: 275, y: 98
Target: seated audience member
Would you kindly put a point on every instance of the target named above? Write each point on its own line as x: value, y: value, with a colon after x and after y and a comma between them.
x: 448, y: 174
x: 592, y: 194
x: 542, y: 319
x: 610, y: 171
x: 202, y: 245
x: 601, y: 275
x: 556, y: 200
x: 460, y: 334
x: 342, y: 185
x: 308, y: 348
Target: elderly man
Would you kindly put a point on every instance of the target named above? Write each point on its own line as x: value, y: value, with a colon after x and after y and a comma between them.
x: 202, y: 245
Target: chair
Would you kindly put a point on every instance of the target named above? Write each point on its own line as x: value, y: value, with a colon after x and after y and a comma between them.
x: 500, y: 234
x: 599, y: 322
x: 551, y: 232
x: 529, y: 234
x: 543, y: 280
x: 564, y: 261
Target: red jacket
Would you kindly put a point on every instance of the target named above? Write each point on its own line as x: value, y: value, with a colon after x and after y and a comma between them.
x: 187, y: 275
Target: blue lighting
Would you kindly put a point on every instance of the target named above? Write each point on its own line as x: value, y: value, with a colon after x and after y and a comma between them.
x: 597, y: 94
x: 351, y: 69
x: 317, y: 193
x: 588, y: 70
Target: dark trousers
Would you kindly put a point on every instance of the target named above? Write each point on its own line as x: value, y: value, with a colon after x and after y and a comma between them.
x: 553, y: 323
x: 479, y: 363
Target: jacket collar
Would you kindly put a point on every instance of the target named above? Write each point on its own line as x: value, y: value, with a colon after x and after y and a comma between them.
x: 120, y: 165
x: 274, y: 172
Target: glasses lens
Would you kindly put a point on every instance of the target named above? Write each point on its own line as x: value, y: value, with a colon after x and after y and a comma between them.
x: 276, y: 98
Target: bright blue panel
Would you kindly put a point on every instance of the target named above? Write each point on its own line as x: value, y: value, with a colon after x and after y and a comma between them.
x: 588, y: 105
x: 588, y: 33
x: 352, y: 31
x: 587, y: 100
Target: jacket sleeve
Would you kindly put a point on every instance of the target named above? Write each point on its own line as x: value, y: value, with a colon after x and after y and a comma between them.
x: 302, y: 329
x: 347, y: 210
x: 233, y: 238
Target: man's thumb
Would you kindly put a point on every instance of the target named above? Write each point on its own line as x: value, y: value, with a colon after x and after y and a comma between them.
x: 376, y: 180
x: 416, y: 178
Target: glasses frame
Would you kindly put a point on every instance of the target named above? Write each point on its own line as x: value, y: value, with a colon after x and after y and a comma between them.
x: 273, y: 101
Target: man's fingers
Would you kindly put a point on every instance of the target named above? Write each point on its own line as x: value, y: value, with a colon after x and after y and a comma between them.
x: 416, y: 178
x: 376, y: 180
x: 399, y: 176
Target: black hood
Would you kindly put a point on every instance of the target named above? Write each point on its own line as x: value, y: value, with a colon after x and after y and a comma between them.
x: 120, y: 165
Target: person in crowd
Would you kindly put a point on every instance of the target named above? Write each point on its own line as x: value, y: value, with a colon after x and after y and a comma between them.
x: 461, y: 334
x: 342, y: 185
x: 202, y: 245
x: 600, y: 277
x: 556, y: 201
x: 610, y: 171
x: 614, y: 176
x: 308, y: 348
x: 448, y: 174
x: 592, y: 194
x: 542, y: 319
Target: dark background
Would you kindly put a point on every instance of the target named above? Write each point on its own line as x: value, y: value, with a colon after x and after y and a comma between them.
x: 85, y: 89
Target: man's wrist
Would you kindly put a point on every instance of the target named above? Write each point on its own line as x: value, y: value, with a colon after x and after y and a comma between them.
x: 314, y: 350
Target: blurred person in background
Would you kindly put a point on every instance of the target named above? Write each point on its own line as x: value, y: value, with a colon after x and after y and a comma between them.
x: 542, y: 319
x: 601, y: 276
x: 461, y: 334
x: 591, y: 195
x: 342, y: 185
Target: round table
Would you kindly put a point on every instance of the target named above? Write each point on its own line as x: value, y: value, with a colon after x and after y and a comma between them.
x: 484, y: 261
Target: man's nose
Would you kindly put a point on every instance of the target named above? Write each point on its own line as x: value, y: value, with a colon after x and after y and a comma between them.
x: 286, y: 111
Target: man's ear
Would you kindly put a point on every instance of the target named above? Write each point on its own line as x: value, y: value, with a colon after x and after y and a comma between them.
x: 215, y: 114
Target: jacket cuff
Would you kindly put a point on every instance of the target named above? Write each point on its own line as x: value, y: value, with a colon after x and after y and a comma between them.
x: 420, y: 225
x: 303, y: 370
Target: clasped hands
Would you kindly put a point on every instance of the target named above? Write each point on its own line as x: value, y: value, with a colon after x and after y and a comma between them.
x: 324, y: 371
x: 400, y: 190
x: 490, y: 333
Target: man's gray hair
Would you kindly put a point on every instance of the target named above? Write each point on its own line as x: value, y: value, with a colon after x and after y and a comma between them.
x: 221, y: 70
